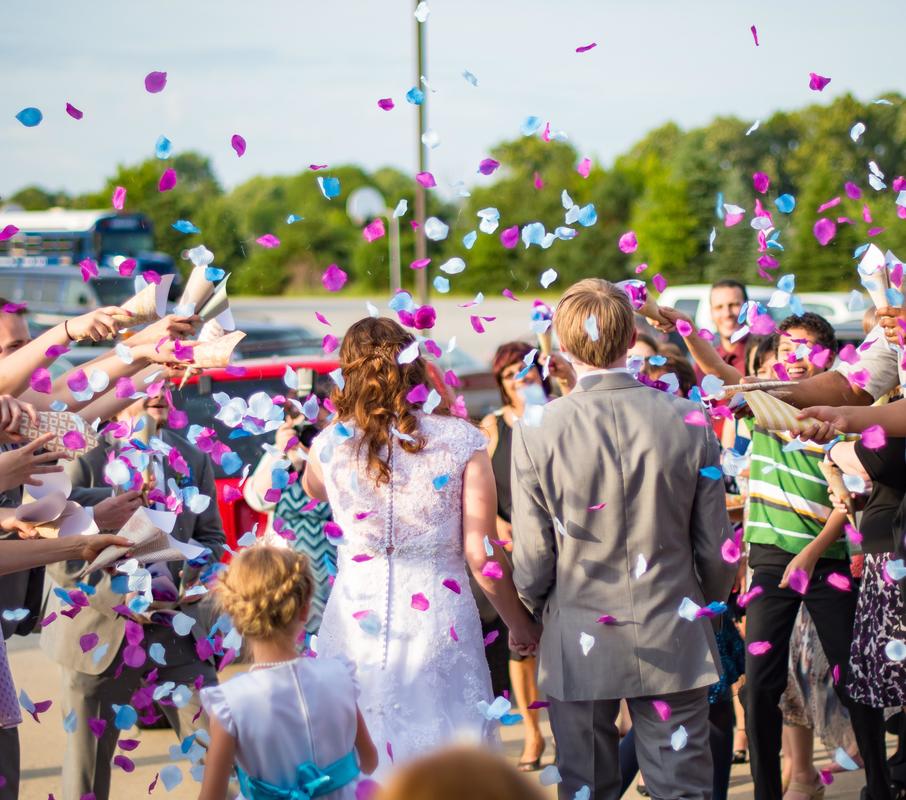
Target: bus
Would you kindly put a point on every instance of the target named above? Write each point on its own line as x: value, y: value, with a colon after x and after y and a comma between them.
x: 61, y: 237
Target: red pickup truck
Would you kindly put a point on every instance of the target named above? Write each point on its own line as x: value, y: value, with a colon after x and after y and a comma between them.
x: 266, y: 375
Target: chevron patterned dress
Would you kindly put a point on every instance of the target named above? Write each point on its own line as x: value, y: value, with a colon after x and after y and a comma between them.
x: 308, y: 527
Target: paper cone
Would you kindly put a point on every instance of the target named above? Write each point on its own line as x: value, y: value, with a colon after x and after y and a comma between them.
x: 147, y: 305
x: 773, y: 414
x: 875, y: 278
x: 44, y: 514
x: 53, y: 482
x: 208, y: 355
x: 217, y: 303
x: 211, y: 331
x: 834, y: 478
x: 198, y: 290
x: 735, y: 388
x: 59, y: 423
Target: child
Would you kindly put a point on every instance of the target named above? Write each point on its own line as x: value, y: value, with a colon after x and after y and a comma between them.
x: 291, y: 723
x: 792, y: 528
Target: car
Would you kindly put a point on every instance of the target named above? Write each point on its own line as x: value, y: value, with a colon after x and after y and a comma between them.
x: 54, y: 294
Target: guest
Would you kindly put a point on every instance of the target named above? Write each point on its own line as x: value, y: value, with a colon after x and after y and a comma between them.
x: 611, y: 518
x: 312, y: 741
x: 95, y: 680
x: 459, y: 774
x: 515, y: 380
x: 727, y: 297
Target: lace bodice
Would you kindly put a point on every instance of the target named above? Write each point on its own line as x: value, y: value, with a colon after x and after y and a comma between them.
x: 419, y: 513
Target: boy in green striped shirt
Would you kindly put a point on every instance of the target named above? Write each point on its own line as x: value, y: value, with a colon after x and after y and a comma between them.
x: 796, y: 545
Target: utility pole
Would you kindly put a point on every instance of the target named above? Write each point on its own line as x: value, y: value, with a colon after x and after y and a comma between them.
x: 421, y: 242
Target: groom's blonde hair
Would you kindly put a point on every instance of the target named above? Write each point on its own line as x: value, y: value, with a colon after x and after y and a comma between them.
x: 608, y: 305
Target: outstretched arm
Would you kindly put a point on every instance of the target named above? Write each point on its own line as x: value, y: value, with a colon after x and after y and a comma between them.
x: 701, y: 350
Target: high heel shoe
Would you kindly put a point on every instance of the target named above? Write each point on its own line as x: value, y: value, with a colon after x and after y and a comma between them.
x: 532, y: 766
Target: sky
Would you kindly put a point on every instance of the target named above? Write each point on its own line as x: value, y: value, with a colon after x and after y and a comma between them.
x: 300, y: 80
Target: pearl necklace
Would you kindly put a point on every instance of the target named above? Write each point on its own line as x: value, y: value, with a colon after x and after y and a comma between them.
x: 269, y: 664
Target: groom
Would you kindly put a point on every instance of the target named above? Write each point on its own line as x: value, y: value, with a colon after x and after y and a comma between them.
x: 618, y: 520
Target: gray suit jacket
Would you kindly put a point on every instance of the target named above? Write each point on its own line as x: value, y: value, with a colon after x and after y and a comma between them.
x: 614, y: 440
x: 60, y: 639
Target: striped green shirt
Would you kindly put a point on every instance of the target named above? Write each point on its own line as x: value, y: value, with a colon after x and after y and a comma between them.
x: 788, y: 502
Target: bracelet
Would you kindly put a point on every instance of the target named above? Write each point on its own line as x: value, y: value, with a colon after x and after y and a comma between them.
x: 66, y: 328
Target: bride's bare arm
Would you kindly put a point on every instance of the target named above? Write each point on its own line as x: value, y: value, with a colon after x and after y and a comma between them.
x: 492, y: 572
x: 313, y: 480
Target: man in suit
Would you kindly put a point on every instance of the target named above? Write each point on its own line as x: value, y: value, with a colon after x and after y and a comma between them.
x: 96, y: 678
x: 618, y: 521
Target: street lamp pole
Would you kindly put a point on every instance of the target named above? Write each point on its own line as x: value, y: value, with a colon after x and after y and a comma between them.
x: 421, y: 243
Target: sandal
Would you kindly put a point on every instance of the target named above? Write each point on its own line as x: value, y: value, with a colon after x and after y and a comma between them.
x: 535, y: 765
x: 814, y: 791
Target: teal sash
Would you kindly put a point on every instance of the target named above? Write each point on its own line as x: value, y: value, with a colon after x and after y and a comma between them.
x: 311, y: 781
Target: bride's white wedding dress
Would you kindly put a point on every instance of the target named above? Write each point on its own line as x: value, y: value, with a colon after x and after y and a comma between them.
x: 401, y: 607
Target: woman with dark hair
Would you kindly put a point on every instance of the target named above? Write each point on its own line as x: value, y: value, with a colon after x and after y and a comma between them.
x: 520, y: 384
x: 412, y: 493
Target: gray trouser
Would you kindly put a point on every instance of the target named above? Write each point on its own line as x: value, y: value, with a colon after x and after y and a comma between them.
x: 87, y: 763
x: 9, y: 763
x: 588, y: 746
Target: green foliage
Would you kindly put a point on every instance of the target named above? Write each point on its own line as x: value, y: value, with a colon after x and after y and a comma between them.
x: 665, y: 188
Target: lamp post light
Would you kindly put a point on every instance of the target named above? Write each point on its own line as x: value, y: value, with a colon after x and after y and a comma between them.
x: 367, y: 203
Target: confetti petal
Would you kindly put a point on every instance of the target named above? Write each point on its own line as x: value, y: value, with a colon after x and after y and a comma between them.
x: 238, y: 144
x: 155, y: 82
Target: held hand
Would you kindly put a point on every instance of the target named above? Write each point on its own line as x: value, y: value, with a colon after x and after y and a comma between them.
x: 671, y: 317
x: 286, y: 432
x: 96, y: 325
x: 890, y: 318
x: 90, y: 547
x: 171, y: 326
x: 830, y: 419
x: 25, y: 530
x: 559, y: 368
x: 23, y: 464
x: 525, y: 635
x: 11, y: 413
x: 803, y: 561
x: 114, y: 512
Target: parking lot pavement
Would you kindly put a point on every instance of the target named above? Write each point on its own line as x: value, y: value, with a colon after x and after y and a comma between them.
x: 43, y: 744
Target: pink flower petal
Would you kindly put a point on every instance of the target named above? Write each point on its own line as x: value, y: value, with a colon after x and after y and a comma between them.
x: 584, y: 167
x: 332, y: 530
x: 155, y: 82
x: 491, y: 638
x: 696, y: 418
x: 420, y: 263
x: 840, y: 581
x: 798, y: 581
x: 663, y: 709
x: 492, y: 570
x: 329, y: 344
x: 874, y: 437
x: 238, y: 144
x: 119, y: 198
x: 385, y: 104
x: 417, y: 394
x: 40, y: 381
x: 754, y: 34
x: 8, y: 232
x: 453, y: 635
x: 683, y: 327
x: 817, y: 82
x: 426, y: 179
x: 88, y: 641
x: 334, y: 278
x: 537, y: 181
x: 127, y: 267
x: 73, y: 111
x: 747, y: 597
x: 124, y: 763
x: 452, y: 585
x: 659, y: 281
x: 374, y: 230
x: 730, y: 551
x: 167, y: 180
x: 628, y: 242
x: 487, y: 166
x: 586, y: 47
x: 758, y: 648
x: 761, y: 182
x: 824, y: 230
x: 597, y: 506
x: 509, y: 237
x: 852, y: 191
x: 268, y: 240
x: 420, y: 602
x: 832, y: 203
x: 606, y: 619
x: 73, y: 440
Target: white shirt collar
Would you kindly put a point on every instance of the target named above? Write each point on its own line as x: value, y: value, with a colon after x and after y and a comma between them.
x: 604, y: 371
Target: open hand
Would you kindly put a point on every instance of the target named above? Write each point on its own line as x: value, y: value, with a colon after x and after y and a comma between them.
x: 801, y: 561
x: 97, y: 325
x: 23, y: 464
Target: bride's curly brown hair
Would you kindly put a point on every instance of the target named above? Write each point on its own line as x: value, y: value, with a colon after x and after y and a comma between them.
x: 375, y: 389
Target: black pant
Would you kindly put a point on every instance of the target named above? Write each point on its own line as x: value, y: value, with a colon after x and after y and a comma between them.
x: 770, y: 618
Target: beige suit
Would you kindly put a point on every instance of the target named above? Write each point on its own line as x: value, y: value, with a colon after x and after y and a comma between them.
x: 657, y: 541
x: 95, y: 680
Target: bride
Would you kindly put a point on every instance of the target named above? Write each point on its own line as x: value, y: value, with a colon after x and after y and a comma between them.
x: 414, y: 495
